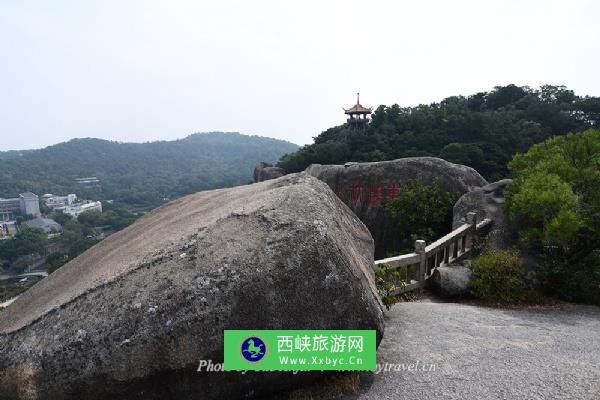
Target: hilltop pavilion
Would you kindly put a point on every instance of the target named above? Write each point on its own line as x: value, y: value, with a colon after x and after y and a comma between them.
x: 359, y: 115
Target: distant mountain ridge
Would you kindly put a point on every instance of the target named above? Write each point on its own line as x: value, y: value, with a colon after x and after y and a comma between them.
x: 139, y: 173
x: 13, y: 153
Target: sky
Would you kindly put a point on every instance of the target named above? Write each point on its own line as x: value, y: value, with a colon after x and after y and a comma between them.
x: 137, y: 71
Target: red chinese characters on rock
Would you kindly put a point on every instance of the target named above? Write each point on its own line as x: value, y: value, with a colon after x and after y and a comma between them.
x: 392, y: 190
x: 355, y: 193
x: 375, y: 194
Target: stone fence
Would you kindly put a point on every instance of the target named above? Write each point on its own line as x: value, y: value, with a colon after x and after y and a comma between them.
x: 453, y: 247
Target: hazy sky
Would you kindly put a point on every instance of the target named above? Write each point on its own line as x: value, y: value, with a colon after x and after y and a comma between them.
x: 150, y: 70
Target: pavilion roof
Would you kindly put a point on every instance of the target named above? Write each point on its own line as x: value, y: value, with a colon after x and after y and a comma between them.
x: 358, y: 108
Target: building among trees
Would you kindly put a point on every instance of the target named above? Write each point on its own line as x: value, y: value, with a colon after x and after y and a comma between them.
x: 49, y: 226
x: 27, y: 203
x: 52, y: 201
x: 76, y: 209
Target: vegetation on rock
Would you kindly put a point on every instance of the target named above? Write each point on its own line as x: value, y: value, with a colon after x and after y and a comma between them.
x: 388, y: 280
x: 420, y: 211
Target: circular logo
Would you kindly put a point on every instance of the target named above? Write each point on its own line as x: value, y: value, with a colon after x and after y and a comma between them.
x: 253, y: 349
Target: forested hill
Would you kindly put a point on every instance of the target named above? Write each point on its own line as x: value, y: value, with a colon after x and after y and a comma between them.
x: 140, y: 173
x: 13, y: 153
x: 483, y: 130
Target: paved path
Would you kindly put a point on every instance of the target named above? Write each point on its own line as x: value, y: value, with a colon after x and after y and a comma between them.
x: 487, y: 353
x: 20, y: 276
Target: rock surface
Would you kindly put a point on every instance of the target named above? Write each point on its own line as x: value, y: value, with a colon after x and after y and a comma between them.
x: 487, y: 203
x: 265, y: 171
x: 132, y: 316
x: 451, y: 281
x: 365, y: 186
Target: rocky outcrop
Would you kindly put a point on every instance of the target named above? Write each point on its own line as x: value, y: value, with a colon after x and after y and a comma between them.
x: 265, y: 171
x: 365, y: 186
x: 487, y: 203
x: 451, y: 281
x: 132, y: 316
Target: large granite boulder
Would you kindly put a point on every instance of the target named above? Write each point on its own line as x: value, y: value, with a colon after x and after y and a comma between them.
x: 365, y: 186
x: 132, y: 316
x: 451, y: 281
x: 487, y: 203
x: 265, y: 171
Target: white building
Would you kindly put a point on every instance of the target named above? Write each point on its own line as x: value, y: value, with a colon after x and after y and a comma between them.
x: 89, y: 182
x: 53, y: 201
x: 77, y: 209
x: 30, y: 204
x: 26, y: 203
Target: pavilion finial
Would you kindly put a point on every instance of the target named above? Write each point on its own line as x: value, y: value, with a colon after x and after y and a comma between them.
x: 357, y: 97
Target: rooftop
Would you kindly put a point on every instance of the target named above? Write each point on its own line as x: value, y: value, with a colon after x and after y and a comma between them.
x: 358, y: 108
x: 46, y: 224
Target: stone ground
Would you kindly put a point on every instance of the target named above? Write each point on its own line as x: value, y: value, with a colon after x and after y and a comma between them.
x: 487, y: 353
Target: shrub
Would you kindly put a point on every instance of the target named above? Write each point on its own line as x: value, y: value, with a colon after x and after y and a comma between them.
x: 498, y: 277
x: 420, y: 211
x: 389, y: 279
x: 572, y: 281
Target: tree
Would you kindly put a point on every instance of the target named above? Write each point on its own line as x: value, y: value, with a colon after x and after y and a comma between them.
x: 503, y: 96
x: 329, y: 152
x: 554, y: 205
x: 554, y: 198
x: 27, y: 241
x: 90, y: 218
x: 419, y: 211
x: 464, y: 153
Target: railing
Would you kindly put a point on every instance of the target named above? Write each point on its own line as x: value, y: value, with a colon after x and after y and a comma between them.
x: 453, y: 247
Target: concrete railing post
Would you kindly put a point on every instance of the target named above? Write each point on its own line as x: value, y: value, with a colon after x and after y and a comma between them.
x: 420, y: 250
x: 471, y: 220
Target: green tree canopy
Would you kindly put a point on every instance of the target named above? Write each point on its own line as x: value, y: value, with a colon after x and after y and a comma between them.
x: 554, y: 205
x: 482, y: 131
x: 27, y: 241
x: 420, y: 211
x: 554, y: 199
